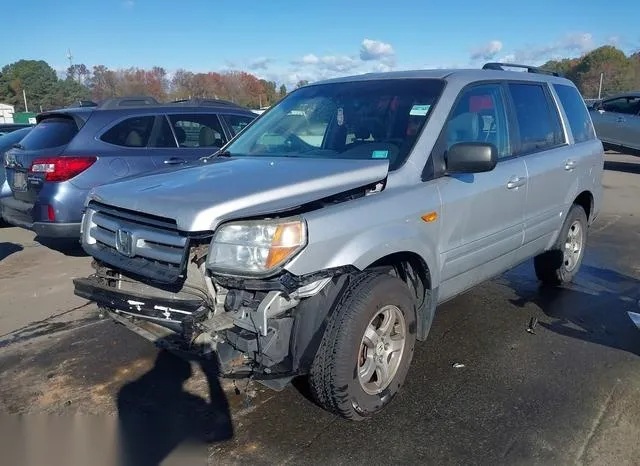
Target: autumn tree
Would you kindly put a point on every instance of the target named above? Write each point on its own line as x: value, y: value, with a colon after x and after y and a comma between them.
x: 302, y: 82
x: 78, y: 72
x: 103, y: 83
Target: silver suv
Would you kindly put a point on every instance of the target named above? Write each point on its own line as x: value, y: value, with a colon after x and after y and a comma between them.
x: 617, y: 121
x: 320, y: 240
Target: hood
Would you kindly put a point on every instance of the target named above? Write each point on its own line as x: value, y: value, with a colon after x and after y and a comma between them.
x: 199, y: 197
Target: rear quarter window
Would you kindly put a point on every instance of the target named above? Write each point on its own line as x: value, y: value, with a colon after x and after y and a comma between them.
x: 237, y: 122
x: 49, y: 133
x: 132, y: 132
x: 576, y: 111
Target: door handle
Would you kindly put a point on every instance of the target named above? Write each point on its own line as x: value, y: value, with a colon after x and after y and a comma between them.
x: 620, y: 119
x: 174, y: 161
x: 515, y: 182
x: 569, y: 165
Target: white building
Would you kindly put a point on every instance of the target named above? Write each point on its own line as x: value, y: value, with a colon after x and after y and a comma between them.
x: 6, y: 113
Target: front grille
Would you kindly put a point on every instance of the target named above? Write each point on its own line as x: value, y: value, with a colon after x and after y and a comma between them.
x: 144, y: 245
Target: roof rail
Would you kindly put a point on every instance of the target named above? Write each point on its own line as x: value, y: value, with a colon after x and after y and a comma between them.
x: 204, y: 102
x: 83, y: 103
x: 130, y: 101
x: 530, y: 69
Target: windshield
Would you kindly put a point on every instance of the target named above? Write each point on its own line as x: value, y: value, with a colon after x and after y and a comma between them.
x: 355, y: 120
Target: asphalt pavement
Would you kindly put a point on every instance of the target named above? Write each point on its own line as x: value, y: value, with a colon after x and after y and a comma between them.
x: 482, y: 390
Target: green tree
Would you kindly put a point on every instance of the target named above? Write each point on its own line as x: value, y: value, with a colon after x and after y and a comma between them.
x: 35, y: 77
x: 616, y: 68
x: 302, y: 82
x: 68, y: 91
x: 283, y: 91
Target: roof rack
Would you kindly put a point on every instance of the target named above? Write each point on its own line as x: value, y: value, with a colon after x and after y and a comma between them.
x: 130, y: 101
x: 83, y: 103
x: 205, y: 102
x: 530, y: 69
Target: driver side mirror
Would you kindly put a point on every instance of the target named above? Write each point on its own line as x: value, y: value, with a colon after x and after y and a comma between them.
x: 471, y: 157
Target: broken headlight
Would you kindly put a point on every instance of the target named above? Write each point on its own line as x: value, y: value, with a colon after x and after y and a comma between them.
x: 256, y: 247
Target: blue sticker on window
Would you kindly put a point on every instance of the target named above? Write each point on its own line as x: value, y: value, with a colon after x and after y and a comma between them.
x: 379, y: 154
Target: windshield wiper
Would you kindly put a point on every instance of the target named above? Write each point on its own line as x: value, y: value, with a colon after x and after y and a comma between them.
x: 224, y: 153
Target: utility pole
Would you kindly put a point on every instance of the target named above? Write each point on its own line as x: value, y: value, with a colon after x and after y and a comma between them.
x: 70, y: 58
x: 24, y: 96
x: 600, y: 88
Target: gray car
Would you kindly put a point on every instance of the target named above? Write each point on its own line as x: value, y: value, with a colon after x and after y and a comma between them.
x: 321, y: 245
x: 71, y: 150
x: 617, y: 121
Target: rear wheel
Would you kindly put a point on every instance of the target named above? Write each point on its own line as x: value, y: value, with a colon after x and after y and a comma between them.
x: 560, y: 264
x: 367, y: 348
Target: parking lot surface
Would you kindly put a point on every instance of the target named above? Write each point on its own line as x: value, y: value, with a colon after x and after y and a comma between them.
x: 481, y: 390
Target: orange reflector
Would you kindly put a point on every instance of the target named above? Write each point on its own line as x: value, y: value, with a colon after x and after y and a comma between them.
x: 430, y: 217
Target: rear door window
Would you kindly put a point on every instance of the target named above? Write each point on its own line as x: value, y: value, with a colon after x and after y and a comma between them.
x: 237, y: 122
x: 132, y: 132
x: 538, y: 122
x: 576, y: 111
x: 198, y: 130
x: 50, y: 133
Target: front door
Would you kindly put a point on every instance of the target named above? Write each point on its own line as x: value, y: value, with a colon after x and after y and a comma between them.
x: 483, y: 213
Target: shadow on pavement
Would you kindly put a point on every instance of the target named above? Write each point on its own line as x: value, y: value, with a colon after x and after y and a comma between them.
x: 626, y: 167
x: 596, y: 311
x: 6, y: 249
x: 156, y: 414
x: 68, y: 247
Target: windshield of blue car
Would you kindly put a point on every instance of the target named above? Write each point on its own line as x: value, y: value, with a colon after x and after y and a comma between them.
x: 369, y: 119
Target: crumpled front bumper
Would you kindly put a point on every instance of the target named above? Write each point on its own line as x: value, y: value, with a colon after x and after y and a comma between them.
x: 177, y: 315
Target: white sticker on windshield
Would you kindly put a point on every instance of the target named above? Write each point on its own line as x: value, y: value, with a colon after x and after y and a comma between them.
x: 340, y: 116
x: 419, y: 110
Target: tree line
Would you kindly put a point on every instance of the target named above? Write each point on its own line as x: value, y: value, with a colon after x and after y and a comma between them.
x: 619, y: 72
x: 45, y: 90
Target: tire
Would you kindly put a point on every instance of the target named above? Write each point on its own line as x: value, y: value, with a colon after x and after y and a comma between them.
x: 558, y: 266
x: 371, y: 300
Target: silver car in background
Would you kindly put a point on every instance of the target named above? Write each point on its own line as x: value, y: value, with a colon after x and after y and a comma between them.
x: 617, y: 121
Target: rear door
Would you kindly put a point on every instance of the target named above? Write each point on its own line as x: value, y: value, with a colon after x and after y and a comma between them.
x: 542, y: 144
x: 629, y: 126
x: 186, y: 137
x: 613, y: 119
x: 48, y: 138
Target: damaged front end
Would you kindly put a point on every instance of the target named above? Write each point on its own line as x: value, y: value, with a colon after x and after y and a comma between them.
x: 265, y: 329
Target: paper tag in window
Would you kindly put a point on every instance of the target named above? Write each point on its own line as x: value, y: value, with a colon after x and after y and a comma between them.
x: 419, y: 110
x: 379, y: 154
x: 340, y: 116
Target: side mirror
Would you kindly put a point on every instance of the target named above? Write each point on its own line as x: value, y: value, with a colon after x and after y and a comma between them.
x: 471, y: 157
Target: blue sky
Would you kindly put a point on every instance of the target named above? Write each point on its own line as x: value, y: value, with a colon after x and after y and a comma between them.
x: 289, y: 40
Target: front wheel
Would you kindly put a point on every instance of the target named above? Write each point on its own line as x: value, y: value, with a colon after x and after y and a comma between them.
x: 367, y: 348
x: 559, y: 265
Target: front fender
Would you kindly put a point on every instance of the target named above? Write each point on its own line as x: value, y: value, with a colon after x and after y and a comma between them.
x: 367, y: 245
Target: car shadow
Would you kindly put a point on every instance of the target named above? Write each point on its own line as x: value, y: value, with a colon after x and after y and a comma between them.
x: 157, y: 416
x: 68, y: 247
x: 594, y: 309
x: 6, y: 249
x: 626, y: 167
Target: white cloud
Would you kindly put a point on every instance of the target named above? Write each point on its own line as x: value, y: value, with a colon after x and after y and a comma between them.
x: 375, y: 50
x: 575, y: 43
x: 487, y: 51
x: 309, y: 59
x: 261, y: 63
x: 128, y: 4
